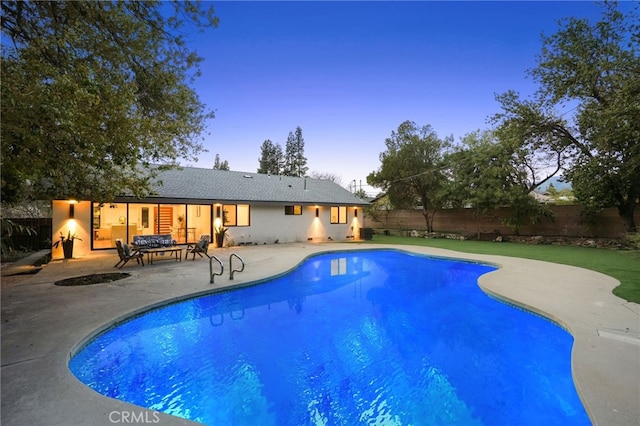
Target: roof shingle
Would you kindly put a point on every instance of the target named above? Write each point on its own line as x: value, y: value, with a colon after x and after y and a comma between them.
x: 222, y: 185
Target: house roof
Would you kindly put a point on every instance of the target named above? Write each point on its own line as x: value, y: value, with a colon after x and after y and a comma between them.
x: 210, y: 185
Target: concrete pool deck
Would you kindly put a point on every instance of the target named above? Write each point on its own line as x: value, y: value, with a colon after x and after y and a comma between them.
x: 42, y: 324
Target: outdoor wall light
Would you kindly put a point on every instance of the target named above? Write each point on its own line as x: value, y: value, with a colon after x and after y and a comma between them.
x: 72, y: 208
x: 317, y: 211
x: 218, y: 210
x: 355, y: 212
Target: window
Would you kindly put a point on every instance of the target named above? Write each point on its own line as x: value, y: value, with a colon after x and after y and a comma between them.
x: 145, y: 217
x: 198, y: 221
x: 293, y: 210
x: 236, y: 215
x: 338, y: 214
x: 96, y: 216
x: 185, y: 222
x: 229, y: 215
x: 243, y: 215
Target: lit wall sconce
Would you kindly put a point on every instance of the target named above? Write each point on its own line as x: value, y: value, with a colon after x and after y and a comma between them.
x: 72, y: 208
x: 218, y: 210
x: 317, y: 211
x: 355, y: 212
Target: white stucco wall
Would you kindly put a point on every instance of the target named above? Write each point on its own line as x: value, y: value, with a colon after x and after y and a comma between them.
x: 80, y: 225
x: 269, y: 223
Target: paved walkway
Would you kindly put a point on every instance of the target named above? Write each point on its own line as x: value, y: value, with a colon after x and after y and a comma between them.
x: 42, y: 325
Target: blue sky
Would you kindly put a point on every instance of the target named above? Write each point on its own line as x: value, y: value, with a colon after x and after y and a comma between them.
x: 348, y: 73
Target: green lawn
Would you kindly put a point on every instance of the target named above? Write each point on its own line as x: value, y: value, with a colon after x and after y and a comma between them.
x: 621, y: 264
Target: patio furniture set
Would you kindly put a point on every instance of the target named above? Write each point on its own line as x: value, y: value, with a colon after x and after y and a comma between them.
x: 158, y: 245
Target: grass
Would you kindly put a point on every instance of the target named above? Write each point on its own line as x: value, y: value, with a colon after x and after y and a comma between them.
x: 623, y: 265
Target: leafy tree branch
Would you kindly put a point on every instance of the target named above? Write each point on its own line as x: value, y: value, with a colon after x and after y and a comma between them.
x: 94, y: 93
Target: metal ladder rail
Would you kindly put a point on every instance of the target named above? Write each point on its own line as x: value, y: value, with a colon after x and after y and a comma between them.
x: 211, y: 273
x: 232, y: 271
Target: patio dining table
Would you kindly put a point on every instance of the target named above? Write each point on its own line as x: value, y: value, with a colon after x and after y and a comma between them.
x: 154, y: 252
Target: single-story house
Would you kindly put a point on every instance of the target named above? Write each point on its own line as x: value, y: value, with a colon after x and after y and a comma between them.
x: 190, y: 202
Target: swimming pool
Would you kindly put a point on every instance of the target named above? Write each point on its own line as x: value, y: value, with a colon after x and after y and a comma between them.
x: 375, y: 337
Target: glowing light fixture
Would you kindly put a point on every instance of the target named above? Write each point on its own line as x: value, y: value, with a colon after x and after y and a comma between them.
x: 72, y: 208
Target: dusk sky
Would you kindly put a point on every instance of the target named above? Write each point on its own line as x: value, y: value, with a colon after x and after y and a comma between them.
x: 348, y: 73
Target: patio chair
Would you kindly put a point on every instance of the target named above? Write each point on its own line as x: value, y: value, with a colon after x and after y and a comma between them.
x: 200, y: 248
x: 126, y: 254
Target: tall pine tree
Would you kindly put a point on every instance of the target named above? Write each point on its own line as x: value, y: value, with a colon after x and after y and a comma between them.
x: 271, y: 158
x: 219, y: 164
x: 295, y: 161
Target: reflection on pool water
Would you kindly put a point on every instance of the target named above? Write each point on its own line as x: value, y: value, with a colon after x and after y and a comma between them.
x: 360, y: 337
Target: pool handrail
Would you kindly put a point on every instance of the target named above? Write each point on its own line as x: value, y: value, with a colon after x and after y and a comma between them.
x: 231, y: 265
x: 211, y: 273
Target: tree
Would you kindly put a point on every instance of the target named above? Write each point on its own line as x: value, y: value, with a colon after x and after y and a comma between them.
x: 219, y: 164
x: 361, y: 193
x: 412, y: 169
x: 378, y: 210
x: 595, y: 69
x: 486, y: 173
x: 539, y: 155
x: 271, y: 158
x: 327, y: 176
x: 479, y: 173
x: 295, y: 163
x: 94, y: 93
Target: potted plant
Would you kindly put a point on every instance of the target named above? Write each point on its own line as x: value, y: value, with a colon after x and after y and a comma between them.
x: 67, y: 244
x: 220, y: 234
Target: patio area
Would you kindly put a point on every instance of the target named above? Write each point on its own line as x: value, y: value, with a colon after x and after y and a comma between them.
x: 42, y: 324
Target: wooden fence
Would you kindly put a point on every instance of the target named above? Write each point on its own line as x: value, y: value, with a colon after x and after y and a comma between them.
x: 566, y: 222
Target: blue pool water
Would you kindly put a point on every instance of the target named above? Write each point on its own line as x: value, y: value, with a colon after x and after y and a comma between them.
x: 361, y: 337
